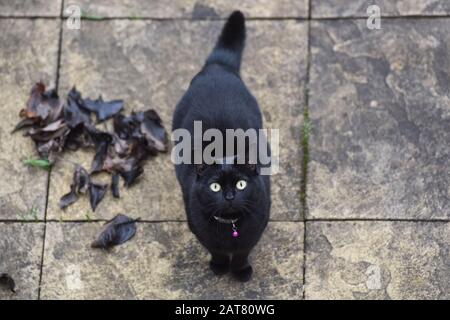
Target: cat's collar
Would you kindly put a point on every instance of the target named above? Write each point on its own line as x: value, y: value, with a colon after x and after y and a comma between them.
x: 222, y: 220
x: 234, y: 230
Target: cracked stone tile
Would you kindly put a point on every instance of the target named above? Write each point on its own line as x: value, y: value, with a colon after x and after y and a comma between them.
x: 194, y: 9
x: 20, y: 257
x: 378, y: 260
x: 25, y: 58
x: 150, y: 64
x: 165, y: 261
x: 380, y: 110
x: 358, y: 8
x: 30, y: 8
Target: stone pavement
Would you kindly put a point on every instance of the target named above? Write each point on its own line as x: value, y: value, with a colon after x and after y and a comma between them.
x: 374, y: 220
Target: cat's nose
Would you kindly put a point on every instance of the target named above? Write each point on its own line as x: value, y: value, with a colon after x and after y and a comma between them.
x: 229, y: 196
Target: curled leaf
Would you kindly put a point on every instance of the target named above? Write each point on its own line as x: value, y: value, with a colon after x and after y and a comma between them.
x: 151, y: 127
x: 130, y: 177
x: 7, y: 282
x: 42, y: 106
x: 126, y: 127
x: 115, y: 185
x: 101, y: 141
x: 81, y: 179
x: 46, y: 149
x: 78, y: 137
x: 54, y: 130
x: 116, y: 231
x: 103, y: 109
x: 96, y: 194
x: 24, y: 123
x: 80, y: 184
x: 74, y: 113
x: 43, y: 114
x: 68, y: 199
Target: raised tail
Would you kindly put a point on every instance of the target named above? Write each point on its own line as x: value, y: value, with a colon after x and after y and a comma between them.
x: 229, y: 47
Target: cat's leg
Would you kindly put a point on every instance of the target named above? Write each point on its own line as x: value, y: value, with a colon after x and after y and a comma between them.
x: 220, y: 263
x: 240, y: 267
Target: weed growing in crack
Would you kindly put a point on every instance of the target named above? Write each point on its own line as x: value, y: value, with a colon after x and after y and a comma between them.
x: 30, y: 215
x: 306, y: 132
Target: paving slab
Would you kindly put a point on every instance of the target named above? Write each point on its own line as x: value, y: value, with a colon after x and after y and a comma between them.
x: 150, y: 64
x: 165, y: 261
x: 25, y: 58
x: 358, y: 8
x: 192, y: 9
x: 20, y: 257
x: 377, y: 260
x: 34, y: 8
x: 380, y: 110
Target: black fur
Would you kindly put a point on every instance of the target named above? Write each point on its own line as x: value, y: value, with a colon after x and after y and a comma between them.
x: 218, y: 97
x: 229, y: 47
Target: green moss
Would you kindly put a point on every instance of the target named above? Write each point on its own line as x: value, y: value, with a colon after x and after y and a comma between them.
x: 87, y: 16
x: 306, y: 132
x: 30, y: 215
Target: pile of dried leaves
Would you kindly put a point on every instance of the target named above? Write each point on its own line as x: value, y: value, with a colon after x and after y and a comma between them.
x: 56, y: 126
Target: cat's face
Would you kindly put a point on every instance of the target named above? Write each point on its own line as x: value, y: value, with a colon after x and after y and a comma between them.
x: 228, y: 191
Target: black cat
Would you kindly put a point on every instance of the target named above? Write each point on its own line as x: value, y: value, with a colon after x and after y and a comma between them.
x: 227, y: 204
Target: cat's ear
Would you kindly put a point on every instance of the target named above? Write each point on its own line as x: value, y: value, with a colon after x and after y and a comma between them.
x: 200, y: 168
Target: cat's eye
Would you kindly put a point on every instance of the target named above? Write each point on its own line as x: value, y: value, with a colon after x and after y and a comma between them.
x: 215, y: 187
x: 241, y: 184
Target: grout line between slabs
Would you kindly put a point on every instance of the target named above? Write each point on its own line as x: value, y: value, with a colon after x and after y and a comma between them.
x: 168, y: 19
x: 305, y: 146
x: 106, y: 220
x: 58, y: 64
x: 58, y: 67
x: 402, y: 17
x: 334, y: 18
x: 44, y: 234
x: 312, y: 220
x: 376, y: 220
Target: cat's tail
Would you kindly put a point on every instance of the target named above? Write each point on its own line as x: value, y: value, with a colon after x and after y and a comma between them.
x: 229, y: 47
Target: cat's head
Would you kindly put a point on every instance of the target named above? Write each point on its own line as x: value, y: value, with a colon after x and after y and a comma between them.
x: 228, y: 191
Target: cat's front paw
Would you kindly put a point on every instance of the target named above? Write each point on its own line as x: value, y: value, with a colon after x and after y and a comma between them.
x: 219, y: 268
x: 244, y: 274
